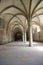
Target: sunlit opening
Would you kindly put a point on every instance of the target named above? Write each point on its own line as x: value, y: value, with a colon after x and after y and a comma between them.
x: 36, y: 27
x: 41, y: 18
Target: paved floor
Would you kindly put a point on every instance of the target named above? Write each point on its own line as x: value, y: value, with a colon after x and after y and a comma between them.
x: 18, y: 53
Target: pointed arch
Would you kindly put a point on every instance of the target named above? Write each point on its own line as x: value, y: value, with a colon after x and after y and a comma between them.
x: 12, y: 18
x: 17, y: 23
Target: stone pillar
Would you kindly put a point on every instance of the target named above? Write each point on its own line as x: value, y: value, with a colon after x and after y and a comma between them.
x: 30, y: 32
x: 24, y: 36
x: 9, y: 36
x: 30, y: 35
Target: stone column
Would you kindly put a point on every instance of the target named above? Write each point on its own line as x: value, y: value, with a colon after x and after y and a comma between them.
x: 30, y: 35
x: 9, y: 35
x: 24, y: 36
x: 30, y: 32
x: 29, y: 19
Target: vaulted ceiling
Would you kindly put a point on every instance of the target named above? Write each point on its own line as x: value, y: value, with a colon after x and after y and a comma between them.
x: 19, y: 10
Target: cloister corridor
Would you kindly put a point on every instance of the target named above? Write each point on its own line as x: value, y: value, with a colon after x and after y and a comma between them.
x: 21, y: 32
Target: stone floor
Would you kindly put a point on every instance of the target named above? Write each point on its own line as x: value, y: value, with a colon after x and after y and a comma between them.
x: 19, y: 53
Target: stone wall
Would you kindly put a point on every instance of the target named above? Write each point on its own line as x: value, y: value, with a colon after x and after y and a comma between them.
x: 1, y: 36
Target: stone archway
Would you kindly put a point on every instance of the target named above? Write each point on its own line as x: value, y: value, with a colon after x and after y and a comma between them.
x: 17, y: 36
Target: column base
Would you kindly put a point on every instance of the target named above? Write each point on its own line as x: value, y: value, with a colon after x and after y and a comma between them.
x: 30, y: 45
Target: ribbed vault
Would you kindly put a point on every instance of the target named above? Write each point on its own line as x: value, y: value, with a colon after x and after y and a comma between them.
x: 21, y: 13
